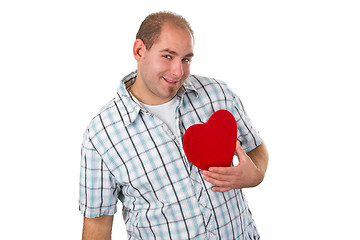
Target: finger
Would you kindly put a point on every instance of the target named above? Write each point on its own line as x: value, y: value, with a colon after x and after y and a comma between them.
x: 215, y: 175
x: 240, y: 152
x: 217, y: 182
x: 221, y: 170
x: 220, y: 189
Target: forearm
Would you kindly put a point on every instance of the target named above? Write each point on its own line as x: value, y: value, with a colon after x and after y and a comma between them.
x: 260, y: 158
x: 97, y: 228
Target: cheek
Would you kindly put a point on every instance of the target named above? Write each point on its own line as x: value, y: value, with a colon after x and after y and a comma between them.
x: 163, y: 64
x: 186, y: 69
x: 158, y: 68
x: 154, y: 64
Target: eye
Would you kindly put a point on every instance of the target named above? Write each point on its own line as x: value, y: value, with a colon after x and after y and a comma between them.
x: 167, y: 56
x: 186, y: 60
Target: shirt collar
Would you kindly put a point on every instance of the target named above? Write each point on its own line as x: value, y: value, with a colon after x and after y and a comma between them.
x: 130, y: 107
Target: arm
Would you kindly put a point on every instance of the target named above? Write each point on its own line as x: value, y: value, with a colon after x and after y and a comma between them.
x: 97, y: 228
x: 250, y: 171
x: 260, y: 158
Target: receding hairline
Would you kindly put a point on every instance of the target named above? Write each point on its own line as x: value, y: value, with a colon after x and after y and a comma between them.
x: 153, y: 25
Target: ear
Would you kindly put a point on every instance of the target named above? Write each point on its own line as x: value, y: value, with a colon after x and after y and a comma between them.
x: 139, y: 49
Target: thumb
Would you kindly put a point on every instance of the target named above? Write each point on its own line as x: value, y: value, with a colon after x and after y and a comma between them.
x: 240, y: 152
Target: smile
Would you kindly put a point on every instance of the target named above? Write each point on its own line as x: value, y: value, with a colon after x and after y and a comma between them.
x: 170, y: 81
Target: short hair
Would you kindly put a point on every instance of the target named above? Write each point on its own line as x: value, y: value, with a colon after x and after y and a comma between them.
x: 151, y: 27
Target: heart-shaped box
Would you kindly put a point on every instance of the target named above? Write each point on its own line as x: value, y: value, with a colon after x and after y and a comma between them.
x: 212, y: 144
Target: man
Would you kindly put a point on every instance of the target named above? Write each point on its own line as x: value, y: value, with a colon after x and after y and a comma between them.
x: 132, y: 150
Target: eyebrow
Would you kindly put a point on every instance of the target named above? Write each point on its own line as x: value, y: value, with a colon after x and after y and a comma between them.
x: 175, y: 53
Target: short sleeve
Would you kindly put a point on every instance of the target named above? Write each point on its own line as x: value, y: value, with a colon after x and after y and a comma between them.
x: 248, y: 136
x: 98, y: 189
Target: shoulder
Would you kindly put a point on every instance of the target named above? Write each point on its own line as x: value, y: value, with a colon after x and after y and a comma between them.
x: 107, y: 116
x: 201, y: 81
x: 95, y: 125
x: 209, y: 85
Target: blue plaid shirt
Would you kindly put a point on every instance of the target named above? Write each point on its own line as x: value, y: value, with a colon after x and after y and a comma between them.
x: 131, y: 155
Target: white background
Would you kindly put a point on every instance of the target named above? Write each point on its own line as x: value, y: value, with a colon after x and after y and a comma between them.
x: 294, y: 64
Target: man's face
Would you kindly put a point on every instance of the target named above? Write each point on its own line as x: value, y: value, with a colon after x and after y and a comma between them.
x: 164, y: 67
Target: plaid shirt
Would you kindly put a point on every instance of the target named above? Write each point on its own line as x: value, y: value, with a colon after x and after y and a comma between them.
x: 131, y: 155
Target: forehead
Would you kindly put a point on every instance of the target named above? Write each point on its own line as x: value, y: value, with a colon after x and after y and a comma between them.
x: 174, y: 39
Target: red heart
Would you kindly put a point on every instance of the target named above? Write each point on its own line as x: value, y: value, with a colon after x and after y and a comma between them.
x: 212, y: 144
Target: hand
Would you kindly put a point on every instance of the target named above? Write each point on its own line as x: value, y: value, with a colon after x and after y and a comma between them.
x: 245, y: 174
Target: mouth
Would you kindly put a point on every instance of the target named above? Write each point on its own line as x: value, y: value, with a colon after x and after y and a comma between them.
x: 172, y: 82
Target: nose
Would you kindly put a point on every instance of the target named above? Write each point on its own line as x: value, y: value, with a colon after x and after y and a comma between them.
x: 177, y: 69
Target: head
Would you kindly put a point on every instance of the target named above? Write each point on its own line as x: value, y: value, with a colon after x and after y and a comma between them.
x: 151, y: 27
x: 163, y: 51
